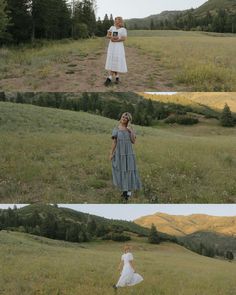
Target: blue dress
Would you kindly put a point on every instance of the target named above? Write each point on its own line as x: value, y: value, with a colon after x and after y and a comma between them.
x: 124, y: 170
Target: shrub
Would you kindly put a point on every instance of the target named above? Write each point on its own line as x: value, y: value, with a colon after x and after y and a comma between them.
x: 181, y: 119
x: 116, y: 237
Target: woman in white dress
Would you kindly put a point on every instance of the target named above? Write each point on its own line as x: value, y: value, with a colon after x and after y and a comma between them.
x: 128, y: 275
x: 116, y: 61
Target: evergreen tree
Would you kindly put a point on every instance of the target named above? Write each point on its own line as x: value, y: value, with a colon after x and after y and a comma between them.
x: 106, y: 24
x: 152, y: 25
x: 4, y: 19
x: 153, y: 237
x: 19, y: 12
x: 92, y: 227
x: 229, y: 255
x: 226, y: 119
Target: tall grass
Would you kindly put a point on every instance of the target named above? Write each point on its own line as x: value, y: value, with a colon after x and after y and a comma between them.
x: 32, y: 60
x: 35, y: 265
x: 62, y: 156
x: 201, y: 61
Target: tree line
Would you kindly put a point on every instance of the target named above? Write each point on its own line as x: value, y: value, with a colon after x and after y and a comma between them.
x: 145, y: 112
x: 27, y: 20
x: 221, y: 21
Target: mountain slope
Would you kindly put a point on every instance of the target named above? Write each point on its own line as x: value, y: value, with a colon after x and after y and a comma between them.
x: 213, y: 5
x: 206, y: 102
x: 185, y: 225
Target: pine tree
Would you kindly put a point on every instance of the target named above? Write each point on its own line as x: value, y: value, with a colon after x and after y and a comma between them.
x: 153, y: 237
x: 19, y: 12
x: 226, y: 119
x: 229, y: 255
x: 4, y: 19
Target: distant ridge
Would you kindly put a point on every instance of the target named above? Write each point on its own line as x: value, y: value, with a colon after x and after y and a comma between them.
x: 214, y: 100
x: 185, y: 225
x: 210, y: 6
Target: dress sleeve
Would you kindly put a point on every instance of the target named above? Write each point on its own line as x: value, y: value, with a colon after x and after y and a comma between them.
x: 123, y: 32
x: 111, y: 28
x: 114, y: 133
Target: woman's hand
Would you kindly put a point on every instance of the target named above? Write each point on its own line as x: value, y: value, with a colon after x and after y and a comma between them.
x: 111, y: 157
x: 130, y: 129
x: 115, y: 39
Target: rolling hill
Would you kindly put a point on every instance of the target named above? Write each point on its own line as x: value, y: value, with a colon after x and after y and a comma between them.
x: 79, y: 217
x: 214, y: 5
x: 216, y: 234
x: 185, y: 225
x: 36, y: 265
x: 205, y: 102
x: 211, y: 6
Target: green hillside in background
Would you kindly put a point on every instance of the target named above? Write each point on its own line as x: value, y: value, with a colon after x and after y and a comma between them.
x: 213, y: 16
x: 213, y: 5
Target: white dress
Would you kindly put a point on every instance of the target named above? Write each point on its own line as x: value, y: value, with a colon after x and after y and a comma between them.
x: 128, y: 277
x: 116, y: 61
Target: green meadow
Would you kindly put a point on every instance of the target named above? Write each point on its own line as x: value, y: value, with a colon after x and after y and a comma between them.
x: 196, y: 60
x: 53, y: 155
x: 35, y: 265
x: 177, y: 60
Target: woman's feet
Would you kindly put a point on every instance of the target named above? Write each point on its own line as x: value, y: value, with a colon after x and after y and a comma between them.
x: 114, y: 287
x: 108, y: 82
x: 126, y: 196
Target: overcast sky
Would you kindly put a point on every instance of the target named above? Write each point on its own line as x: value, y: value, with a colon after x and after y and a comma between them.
x: 140, y: 8
x: 131, y: 212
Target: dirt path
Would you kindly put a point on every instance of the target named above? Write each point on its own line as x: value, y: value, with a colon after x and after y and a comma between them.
x: 88, y: 74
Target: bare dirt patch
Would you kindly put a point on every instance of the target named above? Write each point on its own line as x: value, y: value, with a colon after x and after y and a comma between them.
x: 86, y: 73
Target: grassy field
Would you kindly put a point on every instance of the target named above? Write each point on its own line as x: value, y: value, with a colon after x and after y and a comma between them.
x: 61, y: 156
x: 34, y: 265
x: 201, y: 61
x: 171, y: 60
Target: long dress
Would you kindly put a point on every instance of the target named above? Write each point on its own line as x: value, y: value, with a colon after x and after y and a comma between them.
x: 116, y: 60
x: 128, y: 277
x: 124, y: 171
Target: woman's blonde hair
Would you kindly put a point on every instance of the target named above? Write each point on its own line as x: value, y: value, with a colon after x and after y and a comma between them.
x: 121, y: 21
x: 127, y: 248
x: 128, y: 115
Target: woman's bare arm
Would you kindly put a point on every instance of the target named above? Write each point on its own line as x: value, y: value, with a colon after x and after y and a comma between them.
x: 113, y: 147
x: 132, y: 135
x: 131, y: 262
x: 121, y: 265
x: 109, y: 35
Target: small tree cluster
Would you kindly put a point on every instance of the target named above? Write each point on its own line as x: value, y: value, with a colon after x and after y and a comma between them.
x: 153, y: 237
x: 226, y: 119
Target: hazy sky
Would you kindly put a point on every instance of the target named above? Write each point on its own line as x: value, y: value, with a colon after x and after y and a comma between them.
x: 131, y: 212
x: 141, y: 8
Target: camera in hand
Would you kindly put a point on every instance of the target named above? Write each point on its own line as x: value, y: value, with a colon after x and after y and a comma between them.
x: 115, y: 34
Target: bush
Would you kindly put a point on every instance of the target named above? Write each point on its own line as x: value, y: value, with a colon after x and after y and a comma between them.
x: 116, y: 237
x: 181, y: 119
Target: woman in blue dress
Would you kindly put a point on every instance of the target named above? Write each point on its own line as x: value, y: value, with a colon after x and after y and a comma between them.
x: 124, y: 170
